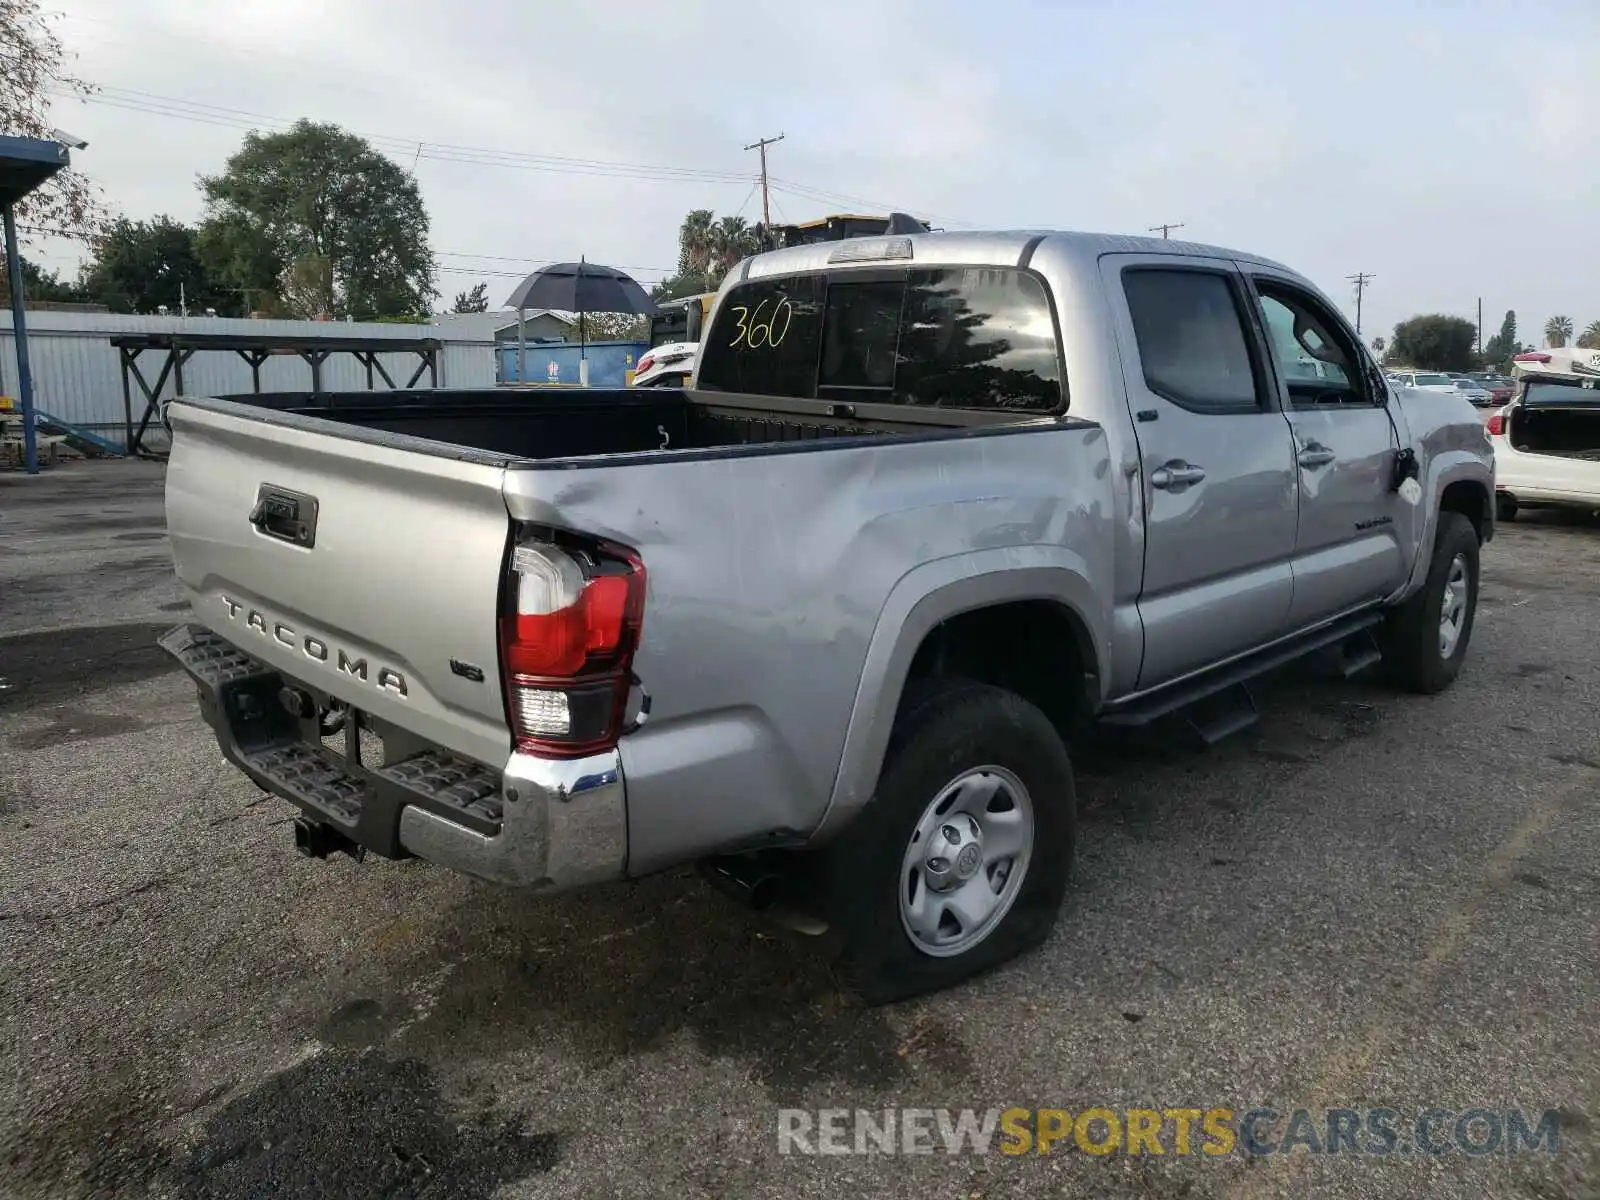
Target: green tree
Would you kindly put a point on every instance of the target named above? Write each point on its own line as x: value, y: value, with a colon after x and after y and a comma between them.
x: 141, y: 265
x: 610, y: 327
x: 1498, y: 350
x: 1589, y: 339
x: 475, y: 300
x: 32, y: 69
x: 679, y: 286
x: 324, y: 221
x: 1378, y: 344
x: 696, y: 244
x: 41, y: 285
x: 1558, y: 332
x: 707, y: 249
x: 1436, y: 342
x: 732, y: 241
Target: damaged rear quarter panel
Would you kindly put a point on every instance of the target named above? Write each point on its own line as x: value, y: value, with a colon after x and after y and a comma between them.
x: 767, y: 576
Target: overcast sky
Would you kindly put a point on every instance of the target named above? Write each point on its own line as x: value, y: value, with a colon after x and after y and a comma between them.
x: 1451, y: 149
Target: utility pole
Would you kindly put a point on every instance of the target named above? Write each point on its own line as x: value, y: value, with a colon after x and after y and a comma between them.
x: 1165, y: 228
x: 766, y: 204
x: 1360, y: 279
x: 1480, y: 324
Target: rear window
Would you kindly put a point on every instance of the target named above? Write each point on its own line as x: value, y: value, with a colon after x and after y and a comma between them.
x: 1583, y: 392
x: 1431, y: 380
x: 972, y: 338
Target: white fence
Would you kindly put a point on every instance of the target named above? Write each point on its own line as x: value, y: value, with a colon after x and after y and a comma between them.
x: 77, y: 374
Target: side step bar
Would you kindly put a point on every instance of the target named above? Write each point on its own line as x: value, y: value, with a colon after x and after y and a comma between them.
x: 1226, y: 684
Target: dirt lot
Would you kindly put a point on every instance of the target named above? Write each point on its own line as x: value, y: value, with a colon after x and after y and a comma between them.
x: 1366, y: 901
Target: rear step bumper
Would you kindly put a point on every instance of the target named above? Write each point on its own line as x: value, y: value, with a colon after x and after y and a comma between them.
x: 535, y: 823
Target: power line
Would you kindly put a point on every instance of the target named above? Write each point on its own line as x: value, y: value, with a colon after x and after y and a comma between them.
x: 219, y: 115
x: 538, y: 262
x: 814, y: 194
x: 154, y: 104
x: 739, y: 212
x: 1360, y: 279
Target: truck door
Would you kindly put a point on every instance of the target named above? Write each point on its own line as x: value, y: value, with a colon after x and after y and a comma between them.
x: 1217, y: 467
x: 1348, y: 541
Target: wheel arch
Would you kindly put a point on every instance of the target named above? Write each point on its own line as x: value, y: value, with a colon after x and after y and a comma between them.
x: 1049, y: 584
x: 1459, y: 482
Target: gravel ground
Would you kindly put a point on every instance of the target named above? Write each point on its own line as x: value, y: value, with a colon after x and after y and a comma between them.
x: 1367, y: 901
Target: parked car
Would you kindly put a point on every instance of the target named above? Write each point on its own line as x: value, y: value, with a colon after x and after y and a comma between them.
x: 1499, y: 386
x: 826, y: 622
x: 1478, y: 395
x: 671, y: 365
x: 1428, y: 381
x: 1547, y: 439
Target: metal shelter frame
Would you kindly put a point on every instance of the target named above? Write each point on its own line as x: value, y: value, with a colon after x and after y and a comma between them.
x: 181, y: 347
x: 25, y: 163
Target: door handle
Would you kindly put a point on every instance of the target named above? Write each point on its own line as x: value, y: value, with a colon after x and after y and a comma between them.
x: 1176, y: 475
x: 1316, y: 455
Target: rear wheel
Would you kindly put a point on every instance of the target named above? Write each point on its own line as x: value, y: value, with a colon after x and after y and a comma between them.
x: 1425, y: 639
x: 1505, y: 506
x: 961, y: 859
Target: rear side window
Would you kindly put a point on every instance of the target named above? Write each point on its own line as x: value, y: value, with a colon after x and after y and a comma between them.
x: 1192, y: 341
x: 963, y: 338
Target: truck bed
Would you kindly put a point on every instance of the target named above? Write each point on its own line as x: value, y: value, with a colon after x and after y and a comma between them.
x: 560, y: 424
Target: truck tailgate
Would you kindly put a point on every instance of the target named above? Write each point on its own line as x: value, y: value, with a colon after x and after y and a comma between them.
x: 372, y: 573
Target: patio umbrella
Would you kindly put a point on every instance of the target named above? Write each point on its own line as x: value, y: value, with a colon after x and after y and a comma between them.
x: 580, y: 287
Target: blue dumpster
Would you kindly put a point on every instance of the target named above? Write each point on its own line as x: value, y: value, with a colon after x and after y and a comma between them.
x: 611, y: 364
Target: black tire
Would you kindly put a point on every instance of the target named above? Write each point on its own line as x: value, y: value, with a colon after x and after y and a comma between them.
x: 941, y: 732
x: 1411, y: 634
x: 1505, y: 506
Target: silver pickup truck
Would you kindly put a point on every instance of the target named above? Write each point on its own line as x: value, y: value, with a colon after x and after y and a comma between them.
x: 823, y: 623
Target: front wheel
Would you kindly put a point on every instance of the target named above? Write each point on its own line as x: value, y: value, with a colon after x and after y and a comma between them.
x: 960, y: 860
x: 1505, y: 506
x: 1425, y: 639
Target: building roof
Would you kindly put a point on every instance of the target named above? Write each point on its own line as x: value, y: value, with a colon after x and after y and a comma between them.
x: 531, y: 315
x: 25, y: 163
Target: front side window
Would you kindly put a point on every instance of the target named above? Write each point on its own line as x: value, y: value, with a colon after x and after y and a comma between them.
x: 967, y: 338
x: 1316, y: 359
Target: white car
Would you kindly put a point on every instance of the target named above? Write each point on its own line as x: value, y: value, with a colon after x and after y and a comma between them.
x: 1425, y: 381
x: 670, y: 365
x: 1475, y: 392
x: 1547, y: 440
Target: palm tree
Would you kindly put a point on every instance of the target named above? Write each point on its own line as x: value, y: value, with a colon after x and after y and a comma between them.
x: 696, y: 243
x: 732, y: 240
x: 1557, y: 331
x: 1589, y: 339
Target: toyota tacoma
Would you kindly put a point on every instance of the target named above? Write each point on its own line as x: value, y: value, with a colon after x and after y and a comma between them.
x: 827, y: 622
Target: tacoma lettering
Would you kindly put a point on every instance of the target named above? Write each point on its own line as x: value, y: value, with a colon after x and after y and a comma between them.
x: 385, y: 678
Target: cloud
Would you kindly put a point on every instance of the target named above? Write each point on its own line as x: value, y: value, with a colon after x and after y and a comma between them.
x: 1451, y: 152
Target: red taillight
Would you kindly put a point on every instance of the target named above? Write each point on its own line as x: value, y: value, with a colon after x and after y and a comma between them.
x: 1497, y: 425
x: 567, y: 641
x: 645, y: 364
x: 1532, y: 356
